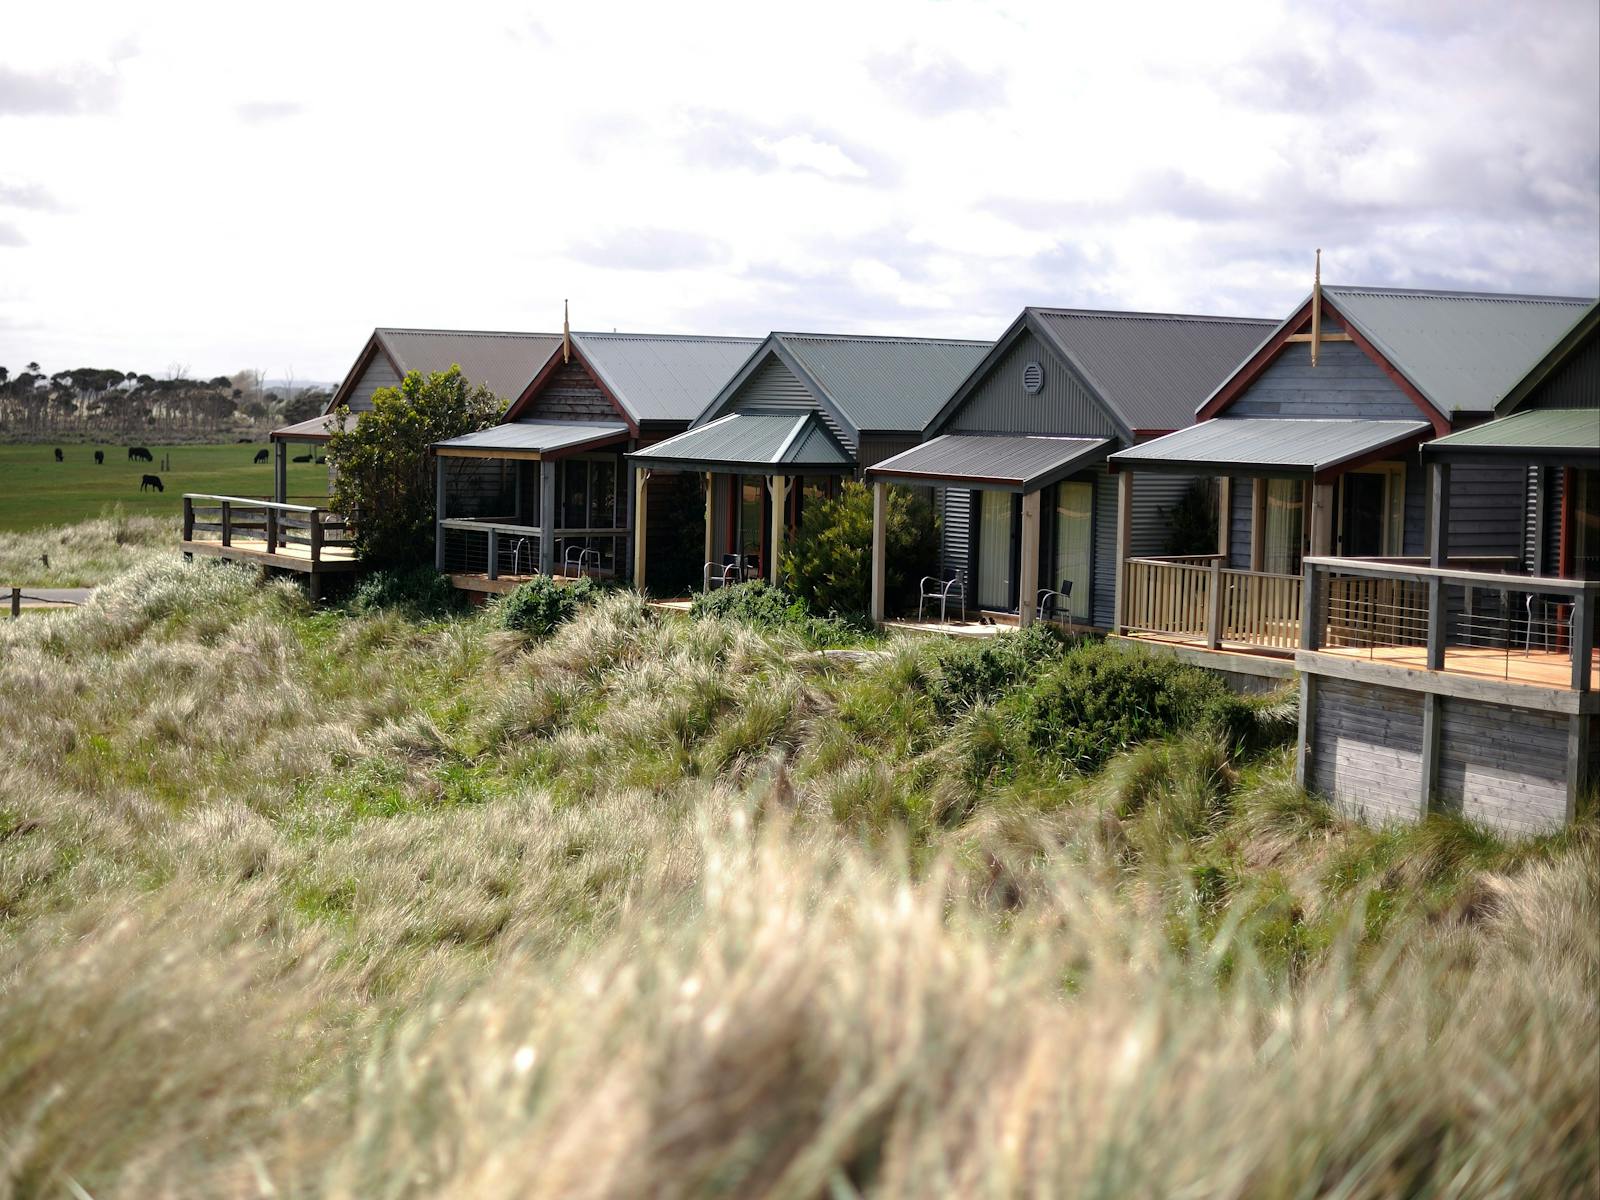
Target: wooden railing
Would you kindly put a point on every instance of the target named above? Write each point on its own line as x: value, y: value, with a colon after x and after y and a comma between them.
x: 1197, y: 599
x: 1522, y: 628
x: 494, y: 548
x: 1170, y: 596
x: 266, y: 526
x: 1261, y: 610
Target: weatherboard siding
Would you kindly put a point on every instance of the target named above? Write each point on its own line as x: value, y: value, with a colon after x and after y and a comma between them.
x: 1488, y: 510
x: 570, y: 394
x: 1345, y: 383
x: 1504, y: 768
x: 1366, y: 750
x: 377, y: 375
x: 1240, y: 514
x: 1063, y: 406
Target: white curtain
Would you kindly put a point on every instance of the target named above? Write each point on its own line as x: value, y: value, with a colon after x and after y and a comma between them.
x: 1285, y: 526
x: 994, y: 550
x: 1074, y: 548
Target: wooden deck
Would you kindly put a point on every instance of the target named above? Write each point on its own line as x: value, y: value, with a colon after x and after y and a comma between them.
x: 289, y: 557
x: 1537, y: 668
x: 479, y: 581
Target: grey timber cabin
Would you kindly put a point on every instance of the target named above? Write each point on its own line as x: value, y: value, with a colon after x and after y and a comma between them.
x: 1018, y: 452
x: 547, y: 491
x: 803, y: 412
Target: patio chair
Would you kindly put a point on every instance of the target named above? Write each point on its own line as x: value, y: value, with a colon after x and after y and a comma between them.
x: 1055, y: 604
x: 729, y: 570
x: 941, y: 587
x: 1551, y: 616
x: 578, y: 558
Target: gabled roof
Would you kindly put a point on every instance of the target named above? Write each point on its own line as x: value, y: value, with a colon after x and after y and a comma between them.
x: 1011, y: 462
x: 537, y: 437
x: 663, y: 377
x: 502, y: 362
x: 1583, y: 329
x: 866, y: 383
x: 1271, y: 445
x: 753, y: 439
x: 1558, y: 435
x: 1460, y: 352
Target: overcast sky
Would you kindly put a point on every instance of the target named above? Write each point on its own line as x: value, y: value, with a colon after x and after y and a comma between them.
x: 225, y: 186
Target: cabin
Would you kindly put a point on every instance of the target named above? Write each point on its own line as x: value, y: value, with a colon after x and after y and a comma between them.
x: 1315, y: 440
x: 1019, y: 453
x: 805, y: 411
x: 1427, y: 687
x: 547, y: 491
x: 301, y: 534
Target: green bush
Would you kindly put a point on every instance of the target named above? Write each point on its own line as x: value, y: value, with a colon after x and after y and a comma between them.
x: 830, y: 560
x: 1192, y: 521
x: 1099, y: 699
x: 970, y: 673
x: 420, y: 593
x: 541, y: 606
x: 759, y: 603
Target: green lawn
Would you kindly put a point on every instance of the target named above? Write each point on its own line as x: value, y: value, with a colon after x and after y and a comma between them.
x: 35, y: 490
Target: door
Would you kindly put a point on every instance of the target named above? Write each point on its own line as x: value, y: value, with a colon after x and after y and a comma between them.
x: 1074, y: 544
x: 751, y: 523
x: 994, y: 550
x: 1372, y: 502
x: 1283, y: 530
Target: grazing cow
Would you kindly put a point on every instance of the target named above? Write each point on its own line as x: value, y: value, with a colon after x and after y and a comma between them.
x: 58, y: 455
x: 302, y: 458
x: 100, y: 457
x: 151, y: 481
x: 322, y: 458
x: 261, y: 456
x: 139, y: 454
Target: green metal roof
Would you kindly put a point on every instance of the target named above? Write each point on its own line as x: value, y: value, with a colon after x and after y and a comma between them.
x: 1269, y: 445
x: 663, y: 377
x: 889, y: 384
x: 1571, y: 434
x: 758, y: 441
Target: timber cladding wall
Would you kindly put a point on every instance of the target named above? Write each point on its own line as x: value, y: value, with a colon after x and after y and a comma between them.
x: 1366, y: 750
x: 571, y: 394
x: 1501, y: 767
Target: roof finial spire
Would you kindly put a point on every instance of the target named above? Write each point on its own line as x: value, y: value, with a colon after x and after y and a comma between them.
x: 1316, y: 306
x: 566, y: 333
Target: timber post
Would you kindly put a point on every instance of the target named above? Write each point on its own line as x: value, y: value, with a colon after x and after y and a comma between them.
x: 711, y: 528
x: 438, y: 512
x: 778, y: 486
x: 271, y: 530
x: 1028, y: 568
x: 1224, y: 515
x: 316, y: 541
x: 1214, y: 606
x: 547, y: 517
x: 188, y: 518
x: 1119, y: 620
x: 16, y: 602
x: 494, y: 553
x: 880, y: 502
x: 227, y: 523
x: 641, y: 504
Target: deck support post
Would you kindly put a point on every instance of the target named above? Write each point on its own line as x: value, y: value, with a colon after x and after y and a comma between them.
x: 271, y: 531
x: 1579, y: 736
x: 641, y: 505
x: 1028, y: 568
x: 1582, y: 640
x: 227, y: 523
x: 316, y: 538
x: 1311, y: 601
x: 188, y: 518
x: 1214, y: 606
x: 438, y: 512
x: 1321, y: 519
x: 1438, y: 514
x: 1225, y: 517
x: 1307, y: 730
x: 1432, y: 714
x: 547, y: 517
x: 778, y: 486
x: 880, y: 503
x: 280, y: 472
x: 494, y: 553
x: 711, y: 528
x: 1119, y: 618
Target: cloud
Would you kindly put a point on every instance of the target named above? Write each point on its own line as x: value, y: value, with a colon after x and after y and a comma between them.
x: 645, y: 249
x: 259, y: 112
x: 30, y: 196
x: 1292, y: 81
x: 68, y: 92
x: 10, y: 235
x: 730, y: 142
x: 934, y: 85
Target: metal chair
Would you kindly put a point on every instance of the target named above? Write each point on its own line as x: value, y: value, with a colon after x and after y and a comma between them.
x: 729, y: 570
x: 1055, y: 604
x: 940, y: 587
x: 1551, y: 615
x: 577, y: 558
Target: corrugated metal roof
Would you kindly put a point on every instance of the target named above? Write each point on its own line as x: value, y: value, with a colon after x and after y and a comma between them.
x: 542, y: 436
x: 753, y: 439
x: 1023, y: 462
x: 1461, y: 350
x: 664, y: 377
x: 1268, y: 444
x: 1152, y: 369
x: 317, y: 428
x: 884, y: 384
x: 503, y: 362
x: 1574, y: 430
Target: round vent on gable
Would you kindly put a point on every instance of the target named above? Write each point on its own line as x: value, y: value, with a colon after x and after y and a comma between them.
x: 1032, y: 378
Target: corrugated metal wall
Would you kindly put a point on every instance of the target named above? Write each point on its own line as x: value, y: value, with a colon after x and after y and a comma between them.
x: 1547, y: 562
x: 955, y: 536
x: 1152, y: 494
x: 1063, y: 406
x: 378, y: 374
x: 1344, y: 383
x: 1574, y: 384
x: 875, y: 448
x: 773, y: 385
x: 1103, y: 584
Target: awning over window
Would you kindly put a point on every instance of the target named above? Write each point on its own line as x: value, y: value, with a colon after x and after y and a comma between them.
x: 1022, y: 463
x: 533, y: 439
x: 1267, y: 446
x: 756, y: 442
x: 1555, y: 437
x: 316, y: 429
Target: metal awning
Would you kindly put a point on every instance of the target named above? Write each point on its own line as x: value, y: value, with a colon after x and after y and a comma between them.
x: 316, y: 429
x: 1268, y: 446
x: 757, y: 442
x: 1021, y: 463
x: 1553, y: 436
x: 533, y: 439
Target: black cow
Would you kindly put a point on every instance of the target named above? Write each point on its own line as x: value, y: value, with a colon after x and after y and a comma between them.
x: 100, y: 457
x: 302, y: 458
x: 151, y: 481
x: 322, y: 458
x: 139, y: 454
x: 261, y: 456
x: 59, y: 458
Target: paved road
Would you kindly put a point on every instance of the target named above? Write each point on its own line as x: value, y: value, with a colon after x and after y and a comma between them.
x: 43, y: 597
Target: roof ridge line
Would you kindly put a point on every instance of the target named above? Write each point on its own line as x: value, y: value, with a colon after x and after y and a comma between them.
x: 1136, y: 315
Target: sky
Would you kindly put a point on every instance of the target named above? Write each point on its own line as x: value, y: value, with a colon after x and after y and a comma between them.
x: 216, y: 187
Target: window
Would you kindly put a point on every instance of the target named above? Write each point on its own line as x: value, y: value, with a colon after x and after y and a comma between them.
x: 994, y: 550
x: 747, y: 539
x: 1074, y: 543
x: 1283, y: 526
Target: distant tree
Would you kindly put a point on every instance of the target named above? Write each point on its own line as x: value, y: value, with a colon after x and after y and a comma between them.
x: 303, y: 407
x: 830, y: 559
x: 222, y: 381
x: 33, y: 368
x: 382, y: 464
x: 5, y: 376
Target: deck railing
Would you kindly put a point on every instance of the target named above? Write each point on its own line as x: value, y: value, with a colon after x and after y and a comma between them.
x: 1523, y: 628
x: 1195, y: 598
x: 266, y: 526
x: 496, y: 549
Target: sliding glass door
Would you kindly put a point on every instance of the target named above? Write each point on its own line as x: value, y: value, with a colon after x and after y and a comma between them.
x: 1074, y: 544
x: 1283, y: 531
x: 994, y: 550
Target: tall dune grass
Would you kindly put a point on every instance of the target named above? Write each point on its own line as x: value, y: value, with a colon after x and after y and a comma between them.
x: 299, y: 903
x: 86, y: 553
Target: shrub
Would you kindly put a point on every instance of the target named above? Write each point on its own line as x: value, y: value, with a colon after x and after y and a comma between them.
x: 971, y: 673
x: 421, y: 592
x: 540, y: 606
x: 1192, y: 521
x: 830, y: 560
x: 1099, y: 699
x: 760, y: 604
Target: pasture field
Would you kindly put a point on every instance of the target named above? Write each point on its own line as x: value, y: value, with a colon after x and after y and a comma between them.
x: 36, y: 491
